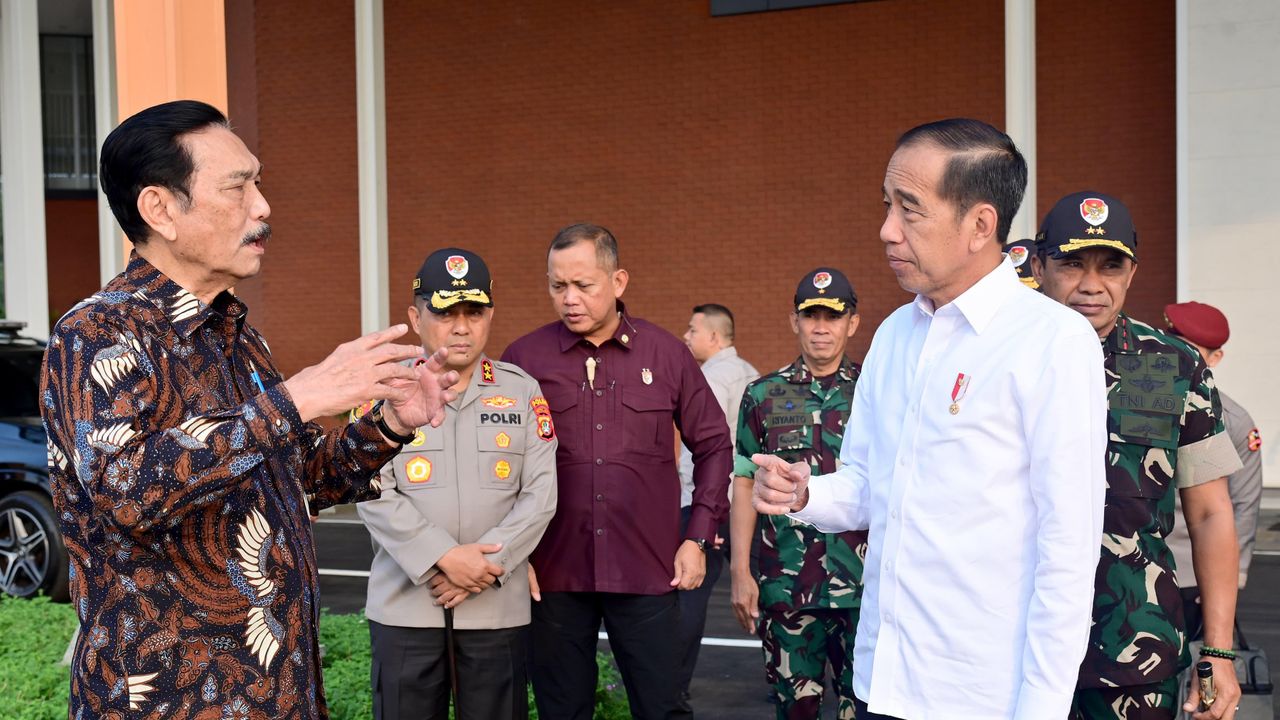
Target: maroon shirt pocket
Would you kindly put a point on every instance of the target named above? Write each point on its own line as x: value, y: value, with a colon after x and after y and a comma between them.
x: 647, y: 421
x: 566, y: 413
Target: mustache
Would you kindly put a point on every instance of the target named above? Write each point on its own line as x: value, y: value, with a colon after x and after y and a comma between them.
x: 262, y: 233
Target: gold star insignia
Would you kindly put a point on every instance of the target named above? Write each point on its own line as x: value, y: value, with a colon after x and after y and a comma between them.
x: 1088, y: 231
x: 459, y: 283
x: 1102, y: 231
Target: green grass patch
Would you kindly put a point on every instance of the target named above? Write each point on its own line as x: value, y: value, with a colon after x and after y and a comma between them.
x: 34, y: 686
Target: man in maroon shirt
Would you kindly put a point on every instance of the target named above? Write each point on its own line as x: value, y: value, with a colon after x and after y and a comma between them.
x: 614, y: 551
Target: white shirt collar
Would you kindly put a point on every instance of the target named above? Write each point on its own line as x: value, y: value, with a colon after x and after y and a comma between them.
x: 722, y: 355
x: 980, y: 302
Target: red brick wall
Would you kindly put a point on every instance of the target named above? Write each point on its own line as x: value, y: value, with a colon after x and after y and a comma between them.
x: 728, y: 155
x: 1105, y: 109
x: 307, y: 299
x: 71, y: 252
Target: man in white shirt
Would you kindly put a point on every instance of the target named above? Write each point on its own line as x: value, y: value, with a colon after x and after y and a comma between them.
x: 973, y: 454
x: 710, y: 339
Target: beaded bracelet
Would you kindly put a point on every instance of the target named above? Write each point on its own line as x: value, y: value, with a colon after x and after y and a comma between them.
x: 1206, y: 651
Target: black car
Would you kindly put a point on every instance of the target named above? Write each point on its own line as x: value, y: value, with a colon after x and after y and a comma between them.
x: 33, y: 559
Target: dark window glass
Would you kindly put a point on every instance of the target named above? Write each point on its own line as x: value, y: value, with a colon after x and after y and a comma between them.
x: 66, y: 90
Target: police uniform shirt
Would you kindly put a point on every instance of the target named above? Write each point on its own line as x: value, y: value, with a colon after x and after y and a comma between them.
x: 486, y: 475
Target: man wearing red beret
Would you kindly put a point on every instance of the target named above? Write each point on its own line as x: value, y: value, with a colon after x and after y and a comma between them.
x: 1205, y: 327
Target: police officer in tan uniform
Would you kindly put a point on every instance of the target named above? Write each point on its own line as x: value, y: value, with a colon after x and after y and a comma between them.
x: 462, y: 506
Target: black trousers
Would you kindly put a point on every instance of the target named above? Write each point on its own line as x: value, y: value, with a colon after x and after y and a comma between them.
x: 642, y: 636
x: 864, y: 714
x: 693, y: 607
x: 410, y: 673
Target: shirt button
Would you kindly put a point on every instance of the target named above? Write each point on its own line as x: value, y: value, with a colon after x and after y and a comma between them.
x: 893, y: 514
x: 599, y: 393
x: 599, y: 426
x: 902, y: 461
x: 599, y: 531
x: 599, y: 461
x: 599, y: 496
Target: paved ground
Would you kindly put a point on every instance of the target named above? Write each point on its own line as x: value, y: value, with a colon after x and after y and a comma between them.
x: 729, y: 682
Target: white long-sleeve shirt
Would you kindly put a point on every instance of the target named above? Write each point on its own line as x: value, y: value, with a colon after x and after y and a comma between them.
x: 984, y: 524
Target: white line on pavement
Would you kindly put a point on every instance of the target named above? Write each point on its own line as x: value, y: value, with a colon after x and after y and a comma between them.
x: 718, y: 642
x: 343, y: 573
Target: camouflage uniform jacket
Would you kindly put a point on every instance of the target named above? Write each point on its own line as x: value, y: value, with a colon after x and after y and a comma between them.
x: 790, y: 414
x: 1165, y: 432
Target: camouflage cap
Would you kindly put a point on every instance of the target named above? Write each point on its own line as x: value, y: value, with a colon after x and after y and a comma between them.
x: 1086, y: 220
x: 451, y: 276
x: 828, y: 288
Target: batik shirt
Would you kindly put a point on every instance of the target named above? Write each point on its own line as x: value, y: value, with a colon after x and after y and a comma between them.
x: 1165, y: 432
x: 179, y: 466
x: 791, y: 414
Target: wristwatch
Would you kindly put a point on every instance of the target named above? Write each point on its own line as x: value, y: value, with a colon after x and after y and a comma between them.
x: 381, y: 423
x: 701, y: 543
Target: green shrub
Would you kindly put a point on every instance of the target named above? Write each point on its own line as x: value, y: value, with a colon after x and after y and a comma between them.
x: 34, y: 685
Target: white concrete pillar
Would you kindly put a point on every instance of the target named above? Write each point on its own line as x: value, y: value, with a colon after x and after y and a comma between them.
x: 110, y: 241
x: 26, y: 279
x: 371, y: 139
x: 1020, y: 102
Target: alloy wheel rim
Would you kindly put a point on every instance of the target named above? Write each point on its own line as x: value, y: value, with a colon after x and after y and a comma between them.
x: 24, y: 552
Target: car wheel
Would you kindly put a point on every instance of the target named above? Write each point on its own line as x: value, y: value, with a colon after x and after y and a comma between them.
x: 33, y: 559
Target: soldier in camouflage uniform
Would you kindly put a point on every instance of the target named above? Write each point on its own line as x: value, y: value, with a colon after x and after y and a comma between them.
x: 810, y: 583
x: 1165, y: 431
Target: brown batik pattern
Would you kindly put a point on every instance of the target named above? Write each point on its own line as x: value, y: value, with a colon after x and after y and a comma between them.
x: 179, y: 466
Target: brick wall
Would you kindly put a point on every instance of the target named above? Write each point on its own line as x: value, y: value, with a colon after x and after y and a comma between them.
x: 1105, y: 81
x: 71, y: 252
x: 307, y: 298
x: 728, y: 155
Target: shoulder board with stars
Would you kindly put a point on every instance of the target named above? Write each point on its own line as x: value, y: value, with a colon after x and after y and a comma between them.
x: 486, y: 372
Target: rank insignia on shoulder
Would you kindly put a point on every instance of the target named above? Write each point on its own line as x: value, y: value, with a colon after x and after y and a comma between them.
x: 486, y: 371
x: 418, y: 470
x: 499, y: 402
x: 1255, y: 440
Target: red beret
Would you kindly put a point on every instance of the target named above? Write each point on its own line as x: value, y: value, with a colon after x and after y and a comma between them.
x: 1204, y: 325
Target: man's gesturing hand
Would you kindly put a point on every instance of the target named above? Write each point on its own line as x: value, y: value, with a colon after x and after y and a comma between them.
x: 780, y: 487
x: 367, y: 367
x: 423, y: 400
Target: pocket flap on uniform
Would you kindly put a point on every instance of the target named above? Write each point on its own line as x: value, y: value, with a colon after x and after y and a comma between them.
x: 561, y: 400
x: 646, y: 399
